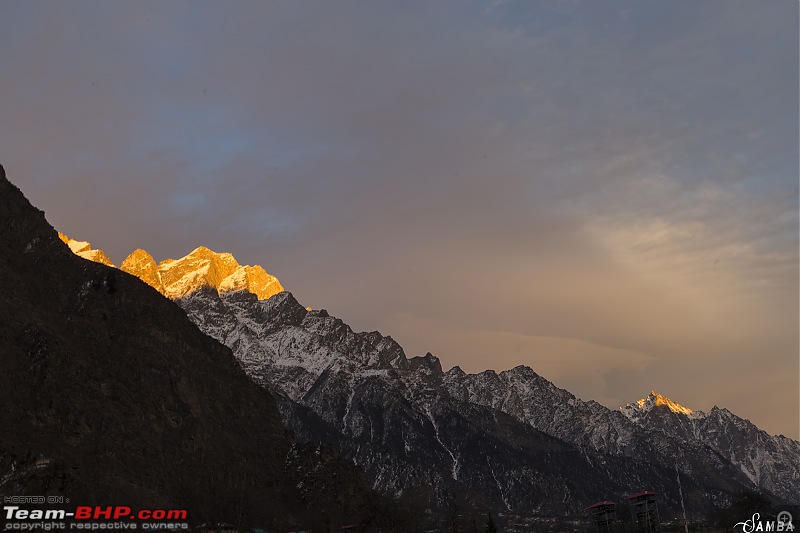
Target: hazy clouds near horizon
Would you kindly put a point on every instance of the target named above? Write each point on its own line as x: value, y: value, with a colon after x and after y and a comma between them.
x: 605, y: 191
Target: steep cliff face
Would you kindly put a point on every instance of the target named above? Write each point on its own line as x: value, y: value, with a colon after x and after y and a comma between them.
x: 110, y: 395
x: 511, y: 439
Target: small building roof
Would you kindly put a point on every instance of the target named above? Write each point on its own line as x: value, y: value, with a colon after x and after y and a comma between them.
x: 640, y: 494
x: 602, y: 504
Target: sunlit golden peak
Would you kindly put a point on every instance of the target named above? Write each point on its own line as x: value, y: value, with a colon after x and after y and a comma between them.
x: 656, y: 399
x: 640, y: 408
x: 84, y: 249
x: 202, y: 267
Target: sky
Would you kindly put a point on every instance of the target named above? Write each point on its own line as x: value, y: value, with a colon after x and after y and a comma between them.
x: 603, y: 190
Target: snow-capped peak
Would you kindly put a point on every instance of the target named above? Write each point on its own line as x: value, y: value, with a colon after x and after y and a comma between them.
x: 84, y: 249
x: 176, y: 278
x: 654, y: 399
x: 202, y: 267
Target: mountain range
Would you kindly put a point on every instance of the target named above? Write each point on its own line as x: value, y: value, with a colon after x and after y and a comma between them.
x: 511, y: 440
x: 203, y: 383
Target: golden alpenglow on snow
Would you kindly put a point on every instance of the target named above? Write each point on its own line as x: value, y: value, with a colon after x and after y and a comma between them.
x: 202, y: 267
x: 84, y: 249
x: 654, y: 399
x: 675, y: 407
x: 142, y: 265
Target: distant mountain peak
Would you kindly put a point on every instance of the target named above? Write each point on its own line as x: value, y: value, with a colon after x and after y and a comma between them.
x: 84, y: 249
x: 202, y: 267
x: 654, y: 399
